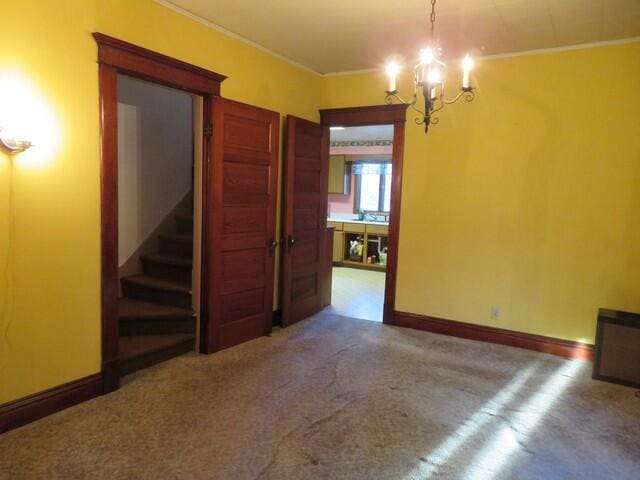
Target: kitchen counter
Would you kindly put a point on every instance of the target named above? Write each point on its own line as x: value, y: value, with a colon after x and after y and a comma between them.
x: 371, y: 222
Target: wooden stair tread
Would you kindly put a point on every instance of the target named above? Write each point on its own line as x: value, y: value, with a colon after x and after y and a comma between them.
x: 158, y: 283
x: 131, y: 309
x: 168, y: 259
x: 135, y: 346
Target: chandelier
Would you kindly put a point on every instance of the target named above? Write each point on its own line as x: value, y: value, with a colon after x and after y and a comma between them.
x: 429, y: 75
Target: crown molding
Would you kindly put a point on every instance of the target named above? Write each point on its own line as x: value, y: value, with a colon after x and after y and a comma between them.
x: 565, y: 48
x: 352, y: 72
x: 229, y: 33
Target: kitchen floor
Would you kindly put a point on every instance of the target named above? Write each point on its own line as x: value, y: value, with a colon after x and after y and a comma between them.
x: 357, y: 293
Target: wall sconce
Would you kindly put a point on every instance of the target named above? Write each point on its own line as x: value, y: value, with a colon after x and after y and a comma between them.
x: 12, y: 142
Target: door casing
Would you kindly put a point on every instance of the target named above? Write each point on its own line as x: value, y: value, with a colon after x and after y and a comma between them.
x: 117, y: 57
x: 381, y: 115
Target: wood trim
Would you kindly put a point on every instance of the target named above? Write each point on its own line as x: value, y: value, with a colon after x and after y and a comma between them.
x: 108, y: 84
x: 207, y: 265
x: 381, y: 115
x: 118, y: 57
x: 528, y: 341
x: 158, y: 68
x: 28, y: 409
x: 370, y: 115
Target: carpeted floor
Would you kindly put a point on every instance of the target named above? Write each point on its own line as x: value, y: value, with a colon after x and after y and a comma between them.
x: 338, y: 398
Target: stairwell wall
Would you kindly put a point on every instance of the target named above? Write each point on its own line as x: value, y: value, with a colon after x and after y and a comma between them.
x: 155, y: 158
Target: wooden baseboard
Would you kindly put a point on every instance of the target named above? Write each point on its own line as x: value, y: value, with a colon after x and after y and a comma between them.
x: 538, y: 343
x: 27, y: 409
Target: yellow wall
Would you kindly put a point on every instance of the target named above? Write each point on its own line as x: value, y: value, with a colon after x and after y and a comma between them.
x: 49, y: 270
x: 527, y: 199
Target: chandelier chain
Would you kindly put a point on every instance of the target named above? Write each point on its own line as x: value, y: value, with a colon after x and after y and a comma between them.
x: 433, y: 16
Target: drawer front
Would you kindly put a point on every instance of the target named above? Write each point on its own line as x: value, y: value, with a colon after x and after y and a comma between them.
x: 379, y: 229
x: 336, y: 225
x: 354, y: 227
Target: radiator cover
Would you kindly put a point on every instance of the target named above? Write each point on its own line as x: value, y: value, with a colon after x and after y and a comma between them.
x: 617, y: 355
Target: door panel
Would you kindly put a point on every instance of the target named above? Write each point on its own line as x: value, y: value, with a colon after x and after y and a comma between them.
x: 241, y: 223
x: 306, y: 177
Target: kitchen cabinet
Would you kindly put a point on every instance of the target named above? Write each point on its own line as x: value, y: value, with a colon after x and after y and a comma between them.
x: 354, y: 227
x: 372, y: 237
x: 370, y: 245
x: 338, y: 246
x: 339, y: 175
x: 338, y: 240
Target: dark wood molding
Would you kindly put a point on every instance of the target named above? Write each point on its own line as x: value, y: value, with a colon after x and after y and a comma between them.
x: 147, y: 64
x: 25, y: 410
x: 381, y: 115
x: 538, y: 343
x: 369, y: 115
x: 108, y: 85
x: 117, y: 57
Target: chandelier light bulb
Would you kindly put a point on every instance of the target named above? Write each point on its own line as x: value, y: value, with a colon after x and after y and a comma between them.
x: 467, y: 65
x: 427, y: 56
x: 393, y: 68
x: 434, y: 77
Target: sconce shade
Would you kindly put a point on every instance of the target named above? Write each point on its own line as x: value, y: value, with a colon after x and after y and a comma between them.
x: 13, y: 144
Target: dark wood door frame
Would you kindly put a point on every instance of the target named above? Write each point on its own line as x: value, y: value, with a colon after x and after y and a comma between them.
x: 381, y: 115
x: 118, y: 57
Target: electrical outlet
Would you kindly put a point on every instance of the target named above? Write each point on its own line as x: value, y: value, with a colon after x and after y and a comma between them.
x: 495, y: 313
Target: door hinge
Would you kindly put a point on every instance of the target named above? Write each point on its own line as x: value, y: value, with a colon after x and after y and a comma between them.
x: 208, y: 130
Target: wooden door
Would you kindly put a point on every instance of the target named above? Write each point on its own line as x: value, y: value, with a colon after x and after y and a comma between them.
x: 240, y: 221
x: 305, y: 183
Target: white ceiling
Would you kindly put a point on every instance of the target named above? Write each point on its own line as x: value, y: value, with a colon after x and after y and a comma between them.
x: 362, y: 134
x: 341, y: 35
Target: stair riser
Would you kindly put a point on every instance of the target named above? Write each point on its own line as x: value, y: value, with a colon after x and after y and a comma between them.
x: 154, y: 295
x: 167, y: 271
x: 157, y: 326
x: 133, y: 364
x: 179, y: 249
x: 184, y: 225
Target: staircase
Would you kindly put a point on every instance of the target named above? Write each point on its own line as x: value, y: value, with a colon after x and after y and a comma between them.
x: 155, y: 313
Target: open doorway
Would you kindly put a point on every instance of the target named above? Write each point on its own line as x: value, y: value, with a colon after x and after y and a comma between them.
x: 158, y: 222
x: 383, y: 188
x: 358, y: 209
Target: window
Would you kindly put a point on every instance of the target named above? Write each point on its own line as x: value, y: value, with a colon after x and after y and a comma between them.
x: 373, y: 180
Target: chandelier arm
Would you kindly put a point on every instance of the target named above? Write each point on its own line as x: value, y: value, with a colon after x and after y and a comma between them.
x: 388, y: 99
x: 469, y: 95
x: 421, y: 112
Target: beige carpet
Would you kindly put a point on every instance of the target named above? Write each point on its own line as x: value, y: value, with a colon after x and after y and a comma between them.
x: 337, y: 398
